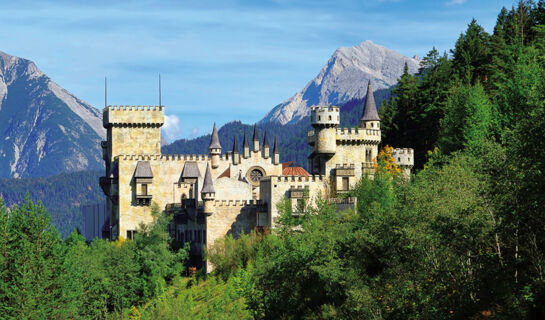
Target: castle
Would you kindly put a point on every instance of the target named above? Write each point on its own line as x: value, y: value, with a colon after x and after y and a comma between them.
x: 210, y: 196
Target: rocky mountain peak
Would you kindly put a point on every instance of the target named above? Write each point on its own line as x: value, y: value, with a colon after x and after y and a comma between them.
x: 44, y: 128
x: 343, y: 78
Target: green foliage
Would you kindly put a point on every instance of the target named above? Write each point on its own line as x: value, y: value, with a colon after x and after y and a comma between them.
x: 44, y: 277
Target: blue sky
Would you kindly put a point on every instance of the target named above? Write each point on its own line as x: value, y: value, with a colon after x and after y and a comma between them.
x: 219, y: 61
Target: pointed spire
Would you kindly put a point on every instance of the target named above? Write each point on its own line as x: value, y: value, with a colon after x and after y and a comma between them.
x: 208, y: 186
x: 265, y: 142
x: 370, y: 109
x: 214, y: 140
x: 256, y: 135
x: 235, y: 146
x: 245, y: 142
x: 275, y: 147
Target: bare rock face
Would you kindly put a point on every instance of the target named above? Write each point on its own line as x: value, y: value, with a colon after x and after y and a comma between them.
x: 344, y: 78
x: 44, y: 129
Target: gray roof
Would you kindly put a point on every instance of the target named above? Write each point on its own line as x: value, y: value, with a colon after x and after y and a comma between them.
x: 208, y: 185
x: 265, y: 142
x: 191, y: 170
x: 370, y: 109
x: 214, y: 140
x: 275, y: 147
x: 235, y: 146
x: 143, y: 170
x: 245, y: 142
x: 256, y: 135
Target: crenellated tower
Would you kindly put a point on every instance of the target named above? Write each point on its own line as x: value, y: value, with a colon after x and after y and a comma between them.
x: 325, y: 121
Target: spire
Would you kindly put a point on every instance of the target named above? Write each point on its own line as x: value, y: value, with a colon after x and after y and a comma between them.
x: 275, y: 147
x: 256, y: 135
x: 208, y: 186
x: 370, y: 109
x: 245, y: 142
x: 214, y: 141
x: 265, y: 142
x: 235, y: 146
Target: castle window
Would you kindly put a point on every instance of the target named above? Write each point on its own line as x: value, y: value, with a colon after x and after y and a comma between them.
x: 345, y: 183
x: 368, y: 156
x: 330, y: 118
x: 130, y: 234
x: 144, y: 189
x: 371, y: 125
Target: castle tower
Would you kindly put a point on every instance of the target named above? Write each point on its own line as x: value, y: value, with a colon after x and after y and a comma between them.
x: 214, y: 148
x: 256, y: 139
x: 208, y: 194
x: 369, y: 118
x: 404, y: 158
x: 236, y: 154
x: 276, y: 153
x: 245, y: 147
x: 325, y: 121
x: 132, y: 130
x: 266, y: 150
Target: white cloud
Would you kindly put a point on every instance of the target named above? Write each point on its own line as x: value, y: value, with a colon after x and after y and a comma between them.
x: 455, y: 2
x: 172, y: 128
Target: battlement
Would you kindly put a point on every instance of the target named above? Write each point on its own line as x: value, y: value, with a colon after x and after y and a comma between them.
x: 358, y: 134
x: 237, y: 203
x: 325, y: 116
x: 133, y: 116
x: 403, y: 156
x: 311, y: 178
x: 165, y: 157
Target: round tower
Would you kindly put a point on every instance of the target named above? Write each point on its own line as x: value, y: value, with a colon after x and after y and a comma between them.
x: 208, y: 193
x: 325, y: 121
x: 214, y: 148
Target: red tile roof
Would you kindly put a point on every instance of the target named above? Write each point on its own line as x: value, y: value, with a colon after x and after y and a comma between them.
x: 294, y: 171
x: 226, y: 173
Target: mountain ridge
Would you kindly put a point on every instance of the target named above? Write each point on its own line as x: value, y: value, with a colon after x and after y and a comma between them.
x: 45, y: 128
x: 343, y: 78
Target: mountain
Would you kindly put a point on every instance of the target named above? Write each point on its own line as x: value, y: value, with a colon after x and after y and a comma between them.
x: 44, y: 128
x: 345, y: 78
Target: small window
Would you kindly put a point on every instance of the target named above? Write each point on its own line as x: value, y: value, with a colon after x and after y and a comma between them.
x: 345, y: 183
x: 398, y: 159
x: 368, y: 155
x: 130, y: 234
x: 372, y: 125
x: 329, y: 118
x: 144, y: 189
x: 319, y: 118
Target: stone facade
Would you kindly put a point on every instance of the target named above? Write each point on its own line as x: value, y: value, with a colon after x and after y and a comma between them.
x: 217, y: 194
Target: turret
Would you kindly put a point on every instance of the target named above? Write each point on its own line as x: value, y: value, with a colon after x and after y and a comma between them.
x: 245, y: 147
x: 369, y: 117
x: 236, y: 154
x: 214, y: 148
x: 276, y: 153
x: 266, y: 150
x: 208, y: 194
x: 325, y: 121
x: 256, y: 139
x: 404, y: 158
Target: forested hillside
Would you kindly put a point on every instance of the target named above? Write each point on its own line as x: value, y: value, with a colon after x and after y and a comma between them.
x: 62, y: 195
x: 463, y: 239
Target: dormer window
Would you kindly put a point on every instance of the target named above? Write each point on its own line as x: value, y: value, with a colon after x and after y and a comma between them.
x: 143, y: 178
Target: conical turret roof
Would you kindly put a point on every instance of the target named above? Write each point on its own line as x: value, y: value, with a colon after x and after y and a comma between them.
x: 265, y: 142
x: 275, y: 147
x: 208, y: 185
x: 245, y: 142
x: 235, y: 146
x: 370, y: 109
x: 256, y: 135
x: 214, y: 140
